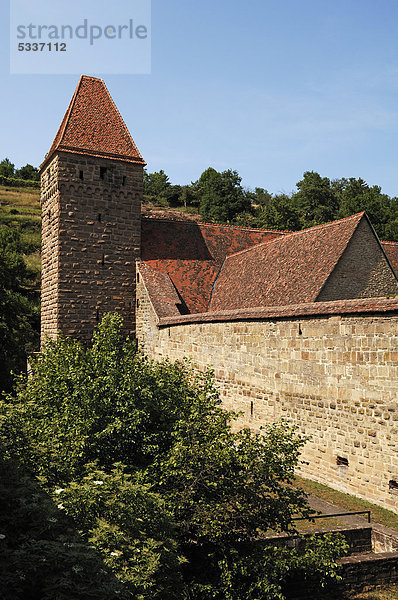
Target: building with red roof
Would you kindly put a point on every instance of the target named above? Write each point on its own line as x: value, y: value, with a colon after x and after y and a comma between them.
x: 301, y: 325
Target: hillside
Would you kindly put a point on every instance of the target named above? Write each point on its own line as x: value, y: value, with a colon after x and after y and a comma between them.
x: 20, y: 208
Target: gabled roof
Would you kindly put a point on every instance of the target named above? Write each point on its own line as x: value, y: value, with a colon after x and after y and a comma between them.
x: 193, y: 253
x: 161, y: 290
x: 291, y: 269
x: 391, y: 249
x: 92, y: 125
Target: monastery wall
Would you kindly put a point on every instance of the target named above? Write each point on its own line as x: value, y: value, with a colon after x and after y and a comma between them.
x: 335, y: 376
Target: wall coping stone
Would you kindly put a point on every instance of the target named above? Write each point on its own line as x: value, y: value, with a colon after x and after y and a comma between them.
x: 335, y: 307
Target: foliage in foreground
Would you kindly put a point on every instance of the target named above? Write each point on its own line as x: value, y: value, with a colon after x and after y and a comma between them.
x: 139, y: 463
x: 19, y: 316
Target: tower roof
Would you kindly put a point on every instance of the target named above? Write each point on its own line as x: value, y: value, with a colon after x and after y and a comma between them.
x: 92, y: 125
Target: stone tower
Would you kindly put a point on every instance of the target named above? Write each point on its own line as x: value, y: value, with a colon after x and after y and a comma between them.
x: 91, y: 191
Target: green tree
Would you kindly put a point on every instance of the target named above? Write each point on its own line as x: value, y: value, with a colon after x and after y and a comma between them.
x: 7, y: 168
x: 156, y: 184
x: 355, y: 195
x: 315, y: 201
x: 28, y: 172
x: 221, y: 196
x: 280, y: 213
x: 188, y: 196
x: 142, y: 459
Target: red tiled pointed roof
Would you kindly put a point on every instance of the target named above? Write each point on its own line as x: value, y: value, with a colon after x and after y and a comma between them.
x: 193, y: 253
x: 92, y: 125
x: 291, y: 269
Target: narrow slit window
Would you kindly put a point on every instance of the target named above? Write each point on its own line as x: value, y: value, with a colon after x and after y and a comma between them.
x: 124, y: 180
x: 138, y: 303
x: 251, y: 408
x: 97, y: 315
x: 138, y: 277
x: 99, y: 217
x: 103, y: 260
x: 102, y: 172
x: 81, y: 175
x: 342, y: 461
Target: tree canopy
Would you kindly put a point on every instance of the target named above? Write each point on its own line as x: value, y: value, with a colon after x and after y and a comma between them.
x: 221, y: 198
x: 7, y: 169
x: 140, y: 464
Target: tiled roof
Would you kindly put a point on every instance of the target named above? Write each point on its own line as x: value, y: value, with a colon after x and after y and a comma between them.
x: 335, y: 307
x: 391, y: 249
x: 291, y: 269
x: 193, y: 253
x: 162, y: 293
x: 93, y: 125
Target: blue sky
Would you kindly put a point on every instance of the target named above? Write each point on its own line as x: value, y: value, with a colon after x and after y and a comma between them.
x: 268, y: 88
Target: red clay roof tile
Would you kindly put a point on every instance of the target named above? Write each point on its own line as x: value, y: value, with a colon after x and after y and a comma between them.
x: 162, y: 293
x: 391, y: 249
x: 291, y: 269
x: 193, y: 253
x: 92, y: 125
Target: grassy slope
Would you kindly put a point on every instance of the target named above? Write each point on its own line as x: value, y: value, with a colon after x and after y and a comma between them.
x: 20, y: 208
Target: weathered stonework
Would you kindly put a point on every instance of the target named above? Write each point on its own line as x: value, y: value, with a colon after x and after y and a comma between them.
x: 91, y: 210
x: 335, y: 377
x: 362, y: 271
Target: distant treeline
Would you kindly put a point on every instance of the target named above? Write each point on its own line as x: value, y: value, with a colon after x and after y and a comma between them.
x: 27, y: 176
x: 220, y: 198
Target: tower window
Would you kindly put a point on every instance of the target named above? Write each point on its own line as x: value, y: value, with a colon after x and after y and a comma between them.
x: 124, y: 180
x: 393, y: 485
x: 97, y: 316
x: 342, y: 461
x: 81, y: 175
x: 103, y: 172
x: 99, y: 217
x: 251, y: 408
x: 103, y: 260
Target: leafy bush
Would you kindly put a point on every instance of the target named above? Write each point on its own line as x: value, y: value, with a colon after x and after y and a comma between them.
x: 142, y: 460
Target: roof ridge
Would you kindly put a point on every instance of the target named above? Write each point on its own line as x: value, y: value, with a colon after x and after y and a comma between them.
x: 289, y: 234
x: 61, y: 130
x: 121, y: 118
x: 361, y: 215
x: 388, y: 242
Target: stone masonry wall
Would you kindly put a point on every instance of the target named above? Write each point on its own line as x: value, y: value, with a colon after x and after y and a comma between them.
x: 91, y: 232
x: 335, y: 377
x: 362, y: 271
x: 49, y: 250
